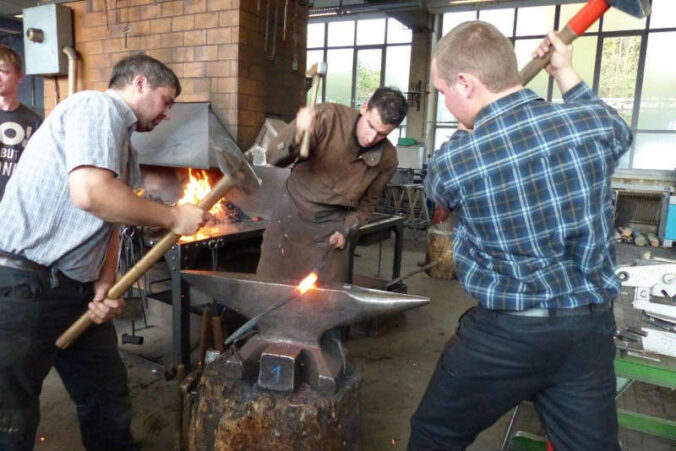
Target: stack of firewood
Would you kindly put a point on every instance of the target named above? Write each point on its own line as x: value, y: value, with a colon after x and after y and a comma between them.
x: 629, y: 235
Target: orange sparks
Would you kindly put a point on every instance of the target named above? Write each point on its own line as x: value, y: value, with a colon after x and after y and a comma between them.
x: 307, y: 283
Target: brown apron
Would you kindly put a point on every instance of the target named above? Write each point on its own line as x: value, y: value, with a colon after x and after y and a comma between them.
x: 295, y: 242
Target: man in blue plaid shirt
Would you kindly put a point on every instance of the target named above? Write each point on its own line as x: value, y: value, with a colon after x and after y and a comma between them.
x: 530, y: 181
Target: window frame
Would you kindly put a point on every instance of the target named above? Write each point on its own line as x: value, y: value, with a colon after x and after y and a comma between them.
x: 644, y: 34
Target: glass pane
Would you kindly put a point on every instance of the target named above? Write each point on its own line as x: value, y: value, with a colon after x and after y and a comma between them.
x: 584, y: 56
x: 396, y: 134
x: 619, y: 66
x: 370, y: 31
x: 655, y: 151
x: 339, y: 76
x: 443, y: 115
x: 567, y: 13
x: 397, y: 33
x: 453, y: 19
x: 616, y: 20
x: 341, y: 33
x: 658, y: 97
x: 368, y: 74
x: 314, y: 56
x: 441, y: 135
x: 315, y: 34
x: 397, y: 66
x: 503, y: 19
x: 537, y: 20
x: 524, y: 51
x: 664, y: 14
x: 624, y: 161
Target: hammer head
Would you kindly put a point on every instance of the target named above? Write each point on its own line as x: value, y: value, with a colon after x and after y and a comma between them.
x: 317, y: 69
x: 232, y: 163
x: 636, y: 8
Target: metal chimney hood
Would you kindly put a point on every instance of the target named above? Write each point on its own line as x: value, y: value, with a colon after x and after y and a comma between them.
x: 187, y: 139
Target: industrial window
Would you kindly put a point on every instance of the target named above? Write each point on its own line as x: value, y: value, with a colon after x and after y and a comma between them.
x: 621, y: 57
x: 361, y: 55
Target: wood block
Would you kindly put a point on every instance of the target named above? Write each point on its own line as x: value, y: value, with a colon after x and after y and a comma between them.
x: 232, y: 414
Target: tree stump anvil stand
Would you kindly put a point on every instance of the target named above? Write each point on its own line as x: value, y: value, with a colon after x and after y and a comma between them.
x: 236, y: 414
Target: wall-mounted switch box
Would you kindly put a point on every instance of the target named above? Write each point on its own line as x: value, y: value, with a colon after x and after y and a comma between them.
x: 47, y: 29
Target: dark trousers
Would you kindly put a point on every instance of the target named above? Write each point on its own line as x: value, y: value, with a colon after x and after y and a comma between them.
x: 32, y: 316
x: 496, y: 360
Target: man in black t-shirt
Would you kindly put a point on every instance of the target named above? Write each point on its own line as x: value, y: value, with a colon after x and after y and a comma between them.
x: 17, y: 122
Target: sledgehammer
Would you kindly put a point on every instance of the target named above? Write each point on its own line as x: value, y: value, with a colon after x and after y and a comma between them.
x: 576, y: 26
x: 236, y: 172
x: 317, y: 71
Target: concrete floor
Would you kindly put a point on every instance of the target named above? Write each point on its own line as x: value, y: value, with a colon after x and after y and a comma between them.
x: 397, y: 364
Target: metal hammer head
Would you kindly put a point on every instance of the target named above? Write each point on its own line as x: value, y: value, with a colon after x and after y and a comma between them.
x: 636, y: 8
x: 232, y: 163
x: 317, y: 69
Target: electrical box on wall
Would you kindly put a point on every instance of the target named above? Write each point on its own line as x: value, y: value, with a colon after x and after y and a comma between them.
x: 47, y: 29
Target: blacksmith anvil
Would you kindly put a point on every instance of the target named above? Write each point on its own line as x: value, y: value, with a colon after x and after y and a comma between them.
x: 287, y: 347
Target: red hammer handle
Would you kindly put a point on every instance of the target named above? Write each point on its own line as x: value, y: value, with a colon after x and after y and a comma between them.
x: 589, y: 14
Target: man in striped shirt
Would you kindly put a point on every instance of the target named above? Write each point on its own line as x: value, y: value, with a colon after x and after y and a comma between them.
x: 530, y: 181
x: 58, y: 252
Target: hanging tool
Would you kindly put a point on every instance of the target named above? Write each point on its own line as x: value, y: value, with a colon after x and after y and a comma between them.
x: 576, y: 26
x: 317, y: 71
x: 133, y: 338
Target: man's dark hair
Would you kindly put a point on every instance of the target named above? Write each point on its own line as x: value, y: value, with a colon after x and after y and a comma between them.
x: 391, y: 105
x: 157, y: 73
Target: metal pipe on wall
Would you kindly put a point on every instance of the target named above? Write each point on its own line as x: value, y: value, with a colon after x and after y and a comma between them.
x: 72, y: 68
x: 431, y: 111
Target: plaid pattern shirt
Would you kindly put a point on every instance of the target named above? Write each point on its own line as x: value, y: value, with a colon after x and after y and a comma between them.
x: 531, y: 185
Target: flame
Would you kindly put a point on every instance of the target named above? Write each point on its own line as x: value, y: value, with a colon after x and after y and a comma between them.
x: 307, y: 283
x: 197, y: 187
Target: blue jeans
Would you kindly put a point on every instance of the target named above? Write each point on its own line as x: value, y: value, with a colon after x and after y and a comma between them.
x: 32, y: 316
x: 564, y: 365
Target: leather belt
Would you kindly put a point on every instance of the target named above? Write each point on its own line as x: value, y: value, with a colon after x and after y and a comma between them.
x: 16, y: 262
x: 576, y: 311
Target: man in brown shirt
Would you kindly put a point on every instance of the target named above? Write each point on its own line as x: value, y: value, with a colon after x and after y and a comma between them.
x: 331, y: 193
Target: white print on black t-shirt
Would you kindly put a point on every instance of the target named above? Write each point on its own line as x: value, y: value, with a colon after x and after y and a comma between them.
x: 12, y: 134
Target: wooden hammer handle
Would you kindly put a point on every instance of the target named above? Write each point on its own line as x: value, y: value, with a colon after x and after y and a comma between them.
x: 158, y: 250
x: 305, y: 144
x: 534, y: 67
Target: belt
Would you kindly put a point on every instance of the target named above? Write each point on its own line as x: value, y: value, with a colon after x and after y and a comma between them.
x: 54, y: 276
x: 16, y: 262
x: 586, y: 309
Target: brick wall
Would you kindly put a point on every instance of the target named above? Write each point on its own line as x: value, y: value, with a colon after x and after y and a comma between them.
x: 218, y: 49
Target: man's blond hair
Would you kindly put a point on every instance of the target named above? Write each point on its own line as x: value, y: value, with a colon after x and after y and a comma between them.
x: 480, y: 49
x: 8, y: 55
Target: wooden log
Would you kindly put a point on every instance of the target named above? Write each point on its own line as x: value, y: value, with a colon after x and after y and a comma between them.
x: 653, y: 240
x: 232, y: 414
x: 440, y: 249
x: 627, y: 234
x: 639, y: 238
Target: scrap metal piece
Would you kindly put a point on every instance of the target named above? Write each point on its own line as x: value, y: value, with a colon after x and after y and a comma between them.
x: 290, y: 335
